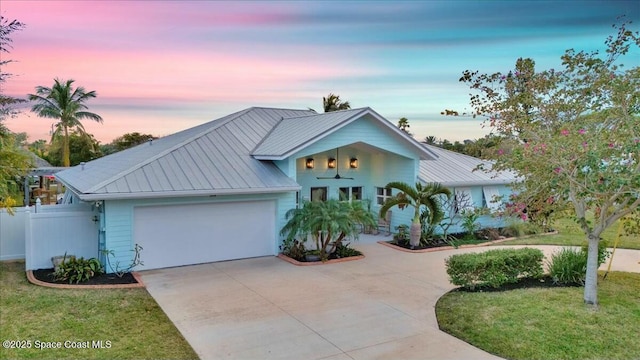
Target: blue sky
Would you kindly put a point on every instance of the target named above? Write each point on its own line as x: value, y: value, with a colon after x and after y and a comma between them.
x: 163, y: 66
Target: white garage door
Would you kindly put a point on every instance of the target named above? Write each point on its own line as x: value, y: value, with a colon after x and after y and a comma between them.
x: 198, y: 233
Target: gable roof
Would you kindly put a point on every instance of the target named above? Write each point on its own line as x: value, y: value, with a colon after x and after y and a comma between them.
x: 453, y: 169
x: 291, y: 135
x: 223, y: 156
x: 209, y: 159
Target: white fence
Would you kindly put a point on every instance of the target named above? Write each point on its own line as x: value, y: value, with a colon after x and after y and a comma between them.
x: 12, y: 234
x: 54, y: 230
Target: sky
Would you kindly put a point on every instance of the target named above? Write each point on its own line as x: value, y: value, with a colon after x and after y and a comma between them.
x: 159, y: 67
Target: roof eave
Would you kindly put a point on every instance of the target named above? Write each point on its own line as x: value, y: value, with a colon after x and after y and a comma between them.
x: 192, y: 193
x: 473, y: 183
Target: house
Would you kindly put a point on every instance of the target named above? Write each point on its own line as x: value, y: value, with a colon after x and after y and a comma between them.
x: 220, y: 190
x: 471, y: 182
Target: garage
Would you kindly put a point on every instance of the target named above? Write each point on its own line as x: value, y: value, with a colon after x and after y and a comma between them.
x: 176, y: 235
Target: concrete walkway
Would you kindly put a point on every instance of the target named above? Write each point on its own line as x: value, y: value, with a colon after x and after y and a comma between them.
x: 380, y: 307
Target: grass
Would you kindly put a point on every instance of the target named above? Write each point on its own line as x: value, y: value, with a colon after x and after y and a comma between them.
x: 548, y: 323
x: 569, y: 233
x: 129, y: 318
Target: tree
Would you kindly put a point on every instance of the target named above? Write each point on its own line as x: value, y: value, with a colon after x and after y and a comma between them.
x: 130, y: 140
x: 14, y: 163
x: 326, y: 222
x: 333, y: 103
x: 578, y: 132
x: 421, y: 195
x: 83, y: 147
x: 66, y: 105
x: 431, y: 140
x: 403, y: 124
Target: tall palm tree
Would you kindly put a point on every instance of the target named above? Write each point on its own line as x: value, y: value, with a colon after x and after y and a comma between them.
x: 333, y: 103
x: 416, y: 197
x: 66, y: 105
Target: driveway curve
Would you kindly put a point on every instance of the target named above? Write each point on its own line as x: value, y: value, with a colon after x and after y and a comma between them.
x: 379, y: 307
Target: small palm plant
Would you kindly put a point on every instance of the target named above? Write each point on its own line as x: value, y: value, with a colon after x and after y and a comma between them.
x: 421, y: 195
x: 327, y: 222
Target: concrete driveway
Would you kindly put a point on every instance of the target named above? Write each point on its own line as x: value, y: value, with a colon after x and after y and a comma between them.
x: 380, y: 307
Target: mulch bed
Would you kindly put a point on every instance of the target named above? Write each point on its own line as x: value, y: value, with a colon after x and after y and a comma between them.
x: 526, y: 283
x: 46, y: 275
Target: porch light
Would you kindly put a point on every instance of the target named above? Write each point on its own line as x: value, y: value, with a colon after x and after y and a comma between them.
x: 331, y: 164
x: 353, y: 163
x: 309, y: 163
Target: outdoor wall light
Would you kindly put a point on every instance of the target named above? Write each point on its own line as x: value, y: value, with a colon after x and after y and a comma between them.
x: 331, y: 164
x: 309, y: 163
x: 353, y: 163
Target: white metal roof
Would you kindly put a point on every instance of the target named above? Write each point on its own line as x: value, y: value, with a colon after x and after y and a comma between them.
x: 292, y: 134
x: 209, y: 159
x: 453, y: 169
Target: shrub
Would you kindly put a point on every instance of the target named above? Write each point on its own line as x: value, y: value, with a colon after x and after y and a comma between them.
x: 494, y: 268
x: 569, y: 266
x: 343, y: 251
x: 293, y: 249
x: 78, y: 269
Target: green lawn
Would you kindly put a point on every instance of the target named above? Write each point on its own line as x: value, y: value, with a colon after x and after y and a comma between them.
x: 569, y: 233
x: 129, y: 319
x: 548, y: 323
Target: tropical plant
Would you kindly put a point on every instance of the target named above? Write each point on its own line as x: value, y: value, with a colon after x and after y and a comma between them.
x: 576, y: 133
x: 327, y: 222
x: 431, y: 140
x: 78, y: 269
x: 403, y: 124
x: 66, y: 105
x: 82, y: 148
x: 470, y: 222
x: 333, y: 103
x: 116, y: 267
x: 14, y: 163
x: 421, y: 195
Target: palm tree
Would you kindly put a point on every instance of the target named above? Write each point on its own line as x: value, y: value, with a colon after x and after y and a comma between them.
x: 333, y: 103
x: 415, y: 197
x: 431, y: 140
x: 327, y: 222
x: 403, y: 124
x: 66, y: 105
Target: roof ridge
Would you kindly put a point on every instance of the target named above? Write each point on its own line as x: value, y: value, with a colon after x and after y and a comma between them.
x: 321, y: 135
x: 170, y: 149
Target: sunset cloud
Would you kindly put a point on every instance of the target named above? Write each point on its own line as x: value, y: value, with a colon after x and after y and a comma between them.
x: 162, y: 66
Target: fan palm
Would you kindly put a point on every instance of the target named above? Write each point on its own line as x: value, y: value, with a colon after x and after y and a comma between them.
x: 326, y: 222
x: 416, y: 197
x: 333, y: 103
x: 66, y: 105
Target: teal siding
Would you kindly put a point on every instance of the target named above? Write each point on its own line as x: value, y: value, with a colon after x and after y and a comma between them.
x: 118, y: 219
x: 382, y: 157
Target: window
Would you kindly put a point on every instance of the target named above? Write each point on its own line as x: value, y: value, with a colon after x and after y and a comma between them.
x: 350, y: 193
x: 382, y: 194
x: 491, y: 197
x: 319, y: 193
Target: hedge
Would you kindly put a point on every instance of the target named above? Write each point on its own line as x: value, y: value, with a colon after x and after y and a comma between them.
x: 494, y: 268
